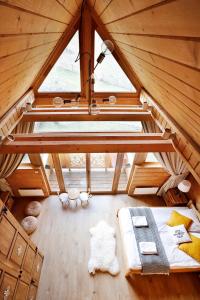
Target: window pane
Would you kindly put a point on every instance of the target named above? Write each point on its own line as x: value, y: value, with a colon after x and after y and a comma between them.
x: 65, y: 74
x: 88, y: 126
x: 109, y: 76
x: 102, y: 171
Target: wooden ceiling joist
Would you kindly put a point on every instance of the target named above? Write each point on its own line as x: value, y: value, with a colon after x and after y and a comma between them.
x: 74, y: 116
x: 86, y: 143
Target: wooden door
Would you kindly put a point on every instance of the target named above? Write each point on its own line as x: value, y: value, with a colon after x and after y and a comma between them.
x: 8, y: 286
x: 22, y: 291
x: 7, y: 233
x: 18, y: 250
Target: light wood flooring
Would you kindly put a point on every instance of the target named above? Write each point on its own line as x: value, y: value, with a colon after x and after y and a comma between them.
x: 63, y: 237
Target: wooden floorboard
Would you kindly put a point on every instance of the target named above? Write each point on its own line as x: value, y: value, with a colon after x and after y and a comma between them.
x: 63, y: 237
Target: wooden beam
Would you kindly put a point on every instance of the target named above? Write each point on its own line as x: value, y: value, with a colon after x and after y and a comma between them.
x: 118, y: 168
x: 86, y: 52
x: 88, y: 172
x: 86, y: 143
x: 59, y: 116
x: 84, y: 109
x: 58, y: 170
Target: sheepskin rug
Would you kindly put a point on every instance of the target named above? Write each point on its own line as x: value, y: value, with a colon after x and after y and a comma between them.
x: 102, y: 247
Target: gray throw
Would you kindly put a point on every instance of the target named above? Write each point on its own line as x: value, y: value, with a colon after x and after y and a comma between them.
x: 156, y: 263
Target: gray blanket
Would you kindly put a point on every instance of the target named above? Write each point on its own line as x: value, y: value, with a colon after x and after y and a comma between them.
x: 151, y: 264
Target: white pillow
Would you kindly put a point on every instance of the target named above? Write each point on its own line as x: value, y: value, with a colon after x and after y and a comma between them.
x: 195, y: 227
x: 180, y: 234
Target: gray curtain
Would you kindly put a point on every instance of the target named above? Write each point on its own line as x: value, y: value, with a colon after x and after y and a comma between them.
x: 10, y: 162
x: 171, y: 161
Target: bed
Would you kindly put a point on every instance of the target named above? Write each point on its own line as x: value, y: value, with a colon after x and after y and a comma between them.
x: 178, y: 260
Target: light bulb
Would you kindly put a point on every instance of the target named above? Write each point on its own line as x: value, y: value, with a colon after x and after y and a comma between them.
x: 107, y: 47
x: 94, y: 108
x: 58, y: 101
x: 112, y: 99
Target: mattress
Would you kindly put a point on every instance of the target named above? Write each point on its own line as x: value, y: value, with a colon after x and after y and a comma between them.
x: 177, y: 258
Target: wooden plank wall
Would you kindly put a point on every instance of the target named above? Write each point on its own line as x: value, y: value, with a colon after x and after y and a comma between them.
x: 29, y: 31
x: 188, y: 150
x: 14, y: 114
x: 148, y: 175
x: 161, y: 41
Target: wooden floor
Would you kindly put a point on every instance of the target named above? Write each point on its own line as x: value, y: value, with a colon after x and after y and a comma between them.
x: 63, y: 237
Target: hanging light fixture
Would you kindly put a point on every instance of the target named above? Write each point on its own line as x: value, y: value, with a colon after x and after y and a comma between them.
x: 94, y: 108
x: 107, y: 48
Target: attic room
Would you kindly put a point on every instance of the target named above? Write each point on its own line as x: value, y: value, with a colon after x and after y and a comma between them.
x: 99, y: 149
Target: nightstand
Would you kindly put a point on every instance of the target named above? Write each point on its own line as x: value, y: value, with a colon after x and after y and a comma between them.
x: 174, y: 197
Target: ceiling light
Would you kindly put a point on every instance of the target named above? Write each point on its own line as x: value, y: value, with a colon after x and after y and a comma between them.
x: 94, y: 108
x: 58, y: 101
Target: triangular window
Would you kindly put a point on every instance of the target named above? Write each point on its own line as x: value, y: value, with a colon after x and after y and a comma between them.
x: 109, y: 76
x: 65, y: 74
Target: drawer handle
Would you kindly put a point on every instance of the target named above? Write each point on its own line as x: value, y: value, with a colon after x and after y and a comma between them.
x: 6, y: 293
x: 38, y: 268
x: 19, y: 250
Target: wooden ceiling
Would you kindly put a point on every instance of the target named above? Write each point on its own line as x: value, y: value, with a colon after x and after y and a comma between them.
x: 29, y: 31
x: 161, y: 41
x: 159, y: 38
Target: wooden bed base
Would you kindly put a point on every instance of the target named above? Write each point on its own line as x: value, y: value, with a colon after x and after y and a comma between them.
x: 131, y: 272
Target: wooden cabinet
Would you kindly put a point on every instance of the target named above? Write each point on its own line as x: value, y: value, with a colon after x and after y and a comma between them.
x: 174, y: 197
x: 20, y: 260
x: 8, y: 286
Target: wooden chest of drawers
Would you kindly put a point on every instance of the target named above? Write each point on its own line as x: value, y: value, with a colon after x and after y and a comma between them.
x: 20, y: 260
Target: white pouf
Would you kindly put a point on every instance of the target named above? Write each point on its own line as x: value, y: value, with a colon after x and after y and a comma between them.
x: 84, y: 197
x: 64, y: 200
x: 33, y: 208
x: 29, y: 224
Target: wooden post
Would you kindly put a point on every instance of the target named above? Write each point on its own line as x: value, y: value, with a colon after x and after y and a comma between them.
x: 88, y: 172
x: 86, y: 53
x: 58, y: 170
x: 118, y: 167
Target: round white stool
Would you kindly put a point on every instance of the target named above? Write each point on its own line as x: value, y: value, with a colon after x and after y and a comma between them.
x: 73, y: 196
x: 84, y: 197
x: 64, y: 199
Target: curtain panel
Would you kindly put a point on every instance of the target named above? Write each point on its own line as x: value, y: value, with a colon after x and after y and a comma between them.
x: 10, y: 162
x: 170, y: 161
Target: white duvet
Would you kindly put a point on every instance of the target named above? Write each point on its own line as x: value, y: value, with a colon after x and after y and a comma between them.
x: 176, y: 257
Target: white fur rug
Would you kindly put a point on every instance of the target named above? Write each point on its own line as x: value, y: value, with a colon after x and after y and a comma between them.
x: 103, y: 246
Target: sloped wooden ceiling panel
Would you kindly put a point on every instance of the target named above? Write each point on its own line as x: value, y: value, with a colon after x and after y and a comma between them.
x: 29, y: 31
x: 161, y: 41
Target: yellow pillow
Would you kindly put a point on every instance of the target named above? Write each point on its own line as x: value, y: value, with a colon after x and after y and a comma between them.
x: 178, y: 219
x: 192, y: 248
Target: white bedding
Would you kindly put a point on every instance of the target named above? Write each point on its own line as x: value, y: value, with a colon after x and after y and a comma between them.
x: 177, y: 258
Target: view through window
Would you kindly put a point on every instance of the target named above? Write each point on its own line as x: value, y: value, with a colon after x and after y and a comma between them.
x: 65, y: 74
x: 109, y: 76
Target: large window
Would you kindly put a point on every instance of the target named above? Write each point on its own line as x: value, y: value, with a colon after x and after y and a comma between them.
x: 85, y: 126
x: 109, y: 76
x: 65, y: 74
